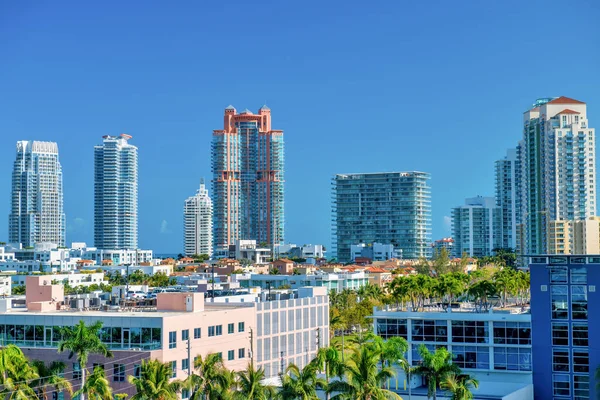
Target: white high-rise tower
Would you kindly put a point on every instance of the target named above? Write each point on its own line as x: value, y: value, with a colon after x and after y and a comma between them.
x: 197, y: 223
x: 116, y: 194
x: 37, y: 213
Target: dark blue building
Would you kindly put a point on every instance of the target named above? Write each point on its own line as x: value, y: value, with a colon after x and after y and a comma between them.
x: 565, y: 314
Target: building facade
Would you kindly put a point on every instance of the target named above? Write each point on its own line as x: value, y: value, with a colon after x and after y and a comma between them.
x: 387, y: 207
x: 375, y: 251
x: 248, y: 181
x: 37, y: 213
x: 116, y: 194
x: 558, y: 179
x: 508, y: 196
x: 563, y: 303
x: 197, y: 223
x: 444, y: 243
x: 477, y: 227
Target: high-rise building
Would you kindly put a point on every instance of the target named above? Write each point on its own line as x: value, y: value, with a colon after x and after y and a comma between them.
x: 383, y: 207
x: 37, y: 213
x: 247, y: 185
x: 477, y: 227
x: 563, y: 306
x: 507, y: 196
x: 558, y: 179
x: 116, y: 194
x: 197, y: 223
x: 444, y: 243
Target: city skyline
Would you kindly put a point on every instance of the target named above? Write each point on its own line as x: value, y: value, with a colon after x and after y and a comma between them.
x: 341, y: 110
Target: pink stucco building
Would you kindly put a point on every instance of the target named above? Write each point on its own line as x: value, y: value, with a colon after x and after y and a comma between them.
x: 179, y: 328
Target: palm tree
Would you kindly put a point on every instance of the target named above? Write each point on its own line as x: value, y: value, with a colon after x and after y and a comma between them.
x: 211, y: 381
x: 16, y: 375
x: 96, y: 386
x: 50, y: 378
x: 460, y: 386
x: 435, y: 367
x: 301, y: 384
x: 154, y: 382
x: 81, y: 341
x: 364, y: 378
x: 409, y: 371
x: 250, y: 386
x: 328, y: 359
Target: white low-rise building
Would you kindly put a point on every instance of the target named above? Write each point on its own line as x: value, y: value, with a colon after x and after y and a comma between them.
x: 146, y: 269
x: 375, y: 251
x: 5, y: 285
x: 73, y: 279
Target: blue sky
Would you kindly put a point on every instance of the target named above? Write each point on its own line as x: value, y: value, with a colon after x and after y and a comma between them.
x: 435, y: 86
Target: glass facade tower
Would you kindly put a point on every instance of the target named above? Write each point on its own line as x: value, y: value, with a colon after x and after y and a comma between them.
x: 37, y: 213
x: 477, y: 227
x: 247, y: 185
x: 386, y: 207
x: 197, y: 223
x: 116, y: 194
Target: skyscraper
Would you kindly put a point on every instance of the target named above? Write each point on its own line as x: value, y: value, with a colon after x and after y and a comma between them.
x: 37, y: 213
x: 197, y: 223
x: 477, y: 227
x: 383, y: 207
x: 507, y: 197
x: 247, y: 185
x: 116, y: 194
x: 558, y: 179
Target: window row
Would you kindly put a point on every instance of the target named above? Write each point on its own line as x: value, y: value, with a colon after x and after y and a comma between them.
x: 560, y: 302
x: 275, y: 322
x: 565, y: 334
x: 580, y: 385
x: 575, y: 360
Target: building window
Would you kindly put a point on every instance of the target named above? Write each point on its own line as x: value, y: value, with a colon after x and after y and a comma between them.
x: 512, y: 333
x: 185, y: 394
x: 94, y: 365
x: 241, y: 353
x: 219, y: 330
x: 579, y: 302
x: 561, y: 385
x: 512, y: 359
x: 560, y: 334
x: 560, y: 360
x: 211, y: 331
x: 579, y: 275
x: 469, y: 332
x: 558, y: 275
x: 230, y: 328
x: 581, y: 361
x: 560, y: 301
x: 387, y: 328
x: 119, y: 373
x: 185, y: 334
x: 76, y: 371
x: 471, y: 357
x: 241, y: 327
x: 173, y: 369
x: 580, y: 334
x: 581, y: 386
x: 197, y: 333
x: 137, y: 370
x: 429, y: 330
x: 185, y: 363
x: 230, y: 355
x: 172, y: 340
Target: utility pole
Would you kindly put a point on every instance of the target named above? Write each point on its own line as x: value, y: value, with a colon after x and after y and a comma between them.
x: 213, y: 283
x: 282, y: 363
x: 318, y: 338
x: 189, y: 357
x: 252, y: 348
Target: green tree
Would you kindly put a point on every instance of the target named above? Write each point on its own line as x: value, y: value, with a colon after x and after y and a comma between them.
x: 50, y: 378
x: 81, y: 341
x: 200, y: 258
x: 154, y: 382
x: 96, y: 386
x: 441, y: 261
x: 16, y: 375
x: 210, y: 380
x: 246, y: 262
x: 435, y: 368
x: 460, y: 386
x: 301, y: 384
x: 18, y: 290
x: 328, y: 359
x: 251, y: 386
x: 364, y: 380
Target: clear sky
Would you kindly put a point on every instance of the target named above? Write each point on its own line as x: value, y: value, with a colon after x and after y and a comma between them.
x: 435, y: 86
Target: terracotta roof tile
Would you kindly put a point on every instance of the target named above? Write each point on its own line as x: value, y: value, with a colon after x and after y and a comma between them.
x: 567, y: 111
x: 565, y: 100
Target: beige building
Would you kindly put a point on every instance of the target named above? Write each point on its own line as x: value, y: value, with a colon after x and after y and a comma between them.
x: 574, y: 237
x: 559, y: 237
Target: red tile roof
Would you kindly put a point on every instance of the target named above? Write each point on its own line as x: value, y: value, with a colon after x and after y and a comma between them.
x: 567, y: 111
x: 565, y: 100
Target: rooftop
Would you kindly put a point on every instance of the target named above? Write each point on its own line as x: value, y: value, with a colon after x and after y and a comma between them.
x: 565, y: 100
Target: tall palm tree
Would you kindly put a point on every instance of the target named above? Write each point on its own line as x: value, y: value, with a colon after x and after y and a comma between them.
x: 81, y: 341
x: 364, y: 378
x: 301, y: 384
x: 96, y: 386
x: 328, y: 359
x: 211, y: 381
x: 435, y: 367
x: 154, y: 382
x: 50, y: 378
x: 460, y: 386
x: 409, y: 372
x: 250, y: 386
x: 16, y: 375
